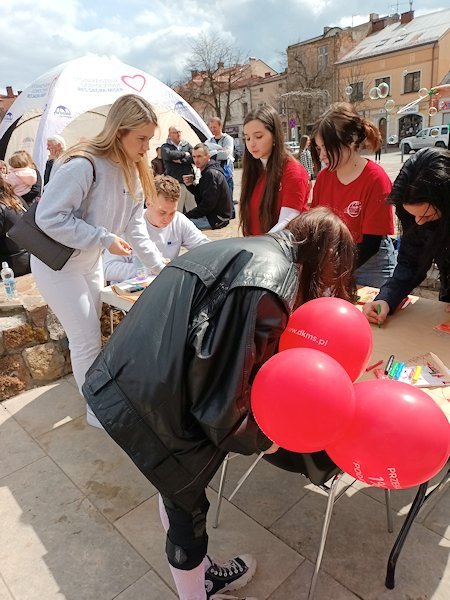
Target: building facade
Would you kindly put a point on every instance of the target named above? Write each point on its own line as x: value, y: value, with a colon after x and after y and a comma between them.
x: 408, y: 55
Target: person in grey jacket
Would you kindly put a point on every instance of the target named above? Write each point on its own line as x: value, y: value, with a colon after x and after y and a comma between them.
x: 91, y: 216
x: 172, y: 386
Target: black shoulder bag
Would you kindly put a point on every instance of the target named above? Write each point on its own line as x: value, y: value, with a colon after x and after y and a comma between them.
x: 26, y: 234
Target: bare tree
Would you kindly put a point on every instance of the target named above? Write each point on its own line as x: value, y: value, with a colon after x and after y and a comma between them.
x: 308, y: 92
x: 216, y: 74
x: 355, y: 85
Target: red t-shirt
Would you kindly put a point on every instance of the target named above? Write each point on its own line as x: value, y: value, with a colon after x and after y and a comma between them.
x: 293, y: 193
x: 361, y: 204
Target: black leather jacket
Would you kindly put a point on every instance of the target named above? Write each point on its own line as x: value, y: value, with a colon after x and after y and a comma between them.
x: 172, y: 386
x: 17, y: 258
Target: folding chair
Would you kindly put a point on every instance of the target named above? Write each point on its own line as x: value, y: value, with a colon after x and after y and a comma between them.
x: 319, y: 469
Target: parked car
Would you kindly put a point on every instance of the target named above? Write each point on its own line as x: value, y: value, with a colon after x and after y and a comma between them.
x: 293, y: 147
x: 430, y: 136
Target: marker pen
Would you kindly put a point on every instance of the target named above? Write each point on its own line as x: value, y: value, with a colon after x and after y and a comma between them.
x: 393, y: 369
x: 389, y: 364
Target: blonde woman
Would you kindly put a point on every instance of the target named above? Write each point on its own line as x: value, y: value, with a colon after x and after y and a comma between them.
x: 91, y: 212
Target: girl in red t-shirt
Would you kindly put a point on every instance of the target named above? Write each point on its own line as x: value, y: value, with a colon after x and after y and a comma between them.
x: 355, y: 188
x: 275, y: 186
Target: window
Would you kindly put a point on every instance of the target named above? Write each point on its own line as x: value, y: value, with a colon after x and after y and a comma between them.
x: 244, y: 109
x: 384, y: 80
x: 280, y: 85
x: 357, y: 91
x: 411, y: 82
x: 261, y: 89
x: 323, y: 57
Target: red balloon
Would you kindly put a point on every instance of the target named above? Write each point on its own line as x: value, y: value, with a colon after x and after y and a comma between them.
x: 302, y: 399
x: 399, y: 436
x: 333, y: 326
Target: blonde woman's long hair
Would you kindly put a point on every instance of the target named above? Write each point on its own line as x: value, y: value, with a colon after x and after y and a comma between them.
x: 127, y: 113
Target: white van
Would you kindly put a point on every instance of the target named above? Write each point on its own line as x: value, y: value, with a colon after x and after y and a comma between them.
x: 430, y: 136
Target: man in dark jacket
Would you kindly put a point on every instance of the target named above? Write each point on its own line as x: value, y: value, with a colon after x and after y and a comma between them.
x: 212, y: 193
x: 172, y: 386
x: 177, y: 159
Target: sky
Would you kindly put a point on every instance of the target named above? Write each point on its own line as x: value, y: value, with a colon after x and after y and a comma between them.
x: 156, y: 36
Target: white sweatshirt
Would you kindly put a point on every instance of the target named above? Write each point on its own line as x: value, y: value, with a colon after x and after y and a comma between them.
x: 111, y: 210
x: 180, y: 232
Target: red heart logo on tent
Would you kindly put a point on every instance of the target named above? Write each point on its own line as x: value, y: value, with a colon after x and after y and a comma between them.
x: 136, y: 82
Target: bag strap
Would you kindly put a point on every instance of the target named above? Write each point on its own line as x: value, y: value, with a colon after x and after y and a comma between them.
x: 94, y: 176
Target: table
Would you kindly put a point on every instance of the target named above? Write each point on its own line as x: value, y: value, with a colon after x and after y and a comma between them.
x: 109, y: 296
x: 405, y: 334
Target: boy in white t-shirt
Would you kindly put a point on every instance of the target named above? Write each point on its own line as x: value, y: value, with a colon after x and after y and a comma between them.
x: 167, y: 228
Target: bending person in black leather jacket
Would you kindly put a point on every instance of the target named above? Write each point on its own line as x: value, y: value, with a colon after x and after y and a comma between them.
x: 421, y: 196
x: 172, y: 386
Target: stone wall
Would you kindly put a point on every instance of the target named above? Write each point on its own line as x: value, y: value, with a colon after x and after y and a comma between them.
x: 33, y: 344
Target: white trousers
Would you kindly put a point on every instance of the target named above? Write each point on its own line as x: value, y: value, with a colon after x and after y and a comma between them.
x: 74, y: 297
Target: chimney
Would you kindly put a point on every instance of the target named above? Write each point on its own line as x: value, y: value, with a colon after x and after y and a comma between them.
x: 377, y: 24
x: 374, y: 17
x: 407, y: 17
x: 326, y: 29
x: 220, y: 64
x: 9, y: 91
x: 194, y: 73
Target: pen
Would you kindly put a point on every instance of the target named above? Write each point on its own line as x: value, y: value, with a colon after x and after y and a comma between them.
x: 377, y: 364
x: 393, y: 369
x: 379, y: 313
x: 389, y: 364
x: 416, y: 374
x: 399, y: 371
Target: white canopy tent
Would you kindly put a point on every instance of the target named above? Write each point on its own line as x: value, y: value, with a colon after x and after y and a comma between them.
x: 73, y: 98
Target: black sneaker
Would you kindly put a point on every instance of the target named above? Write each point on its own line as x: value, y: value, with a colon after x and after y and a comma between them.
x: 231, y: 575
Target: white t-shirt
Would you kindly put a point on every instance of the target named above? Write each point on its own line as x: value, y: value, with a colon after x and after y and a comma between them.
x: 180, y: 232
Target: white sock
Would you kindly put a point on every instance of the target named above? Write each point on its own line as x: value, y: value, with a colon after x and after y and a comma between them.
x: 190, y: 584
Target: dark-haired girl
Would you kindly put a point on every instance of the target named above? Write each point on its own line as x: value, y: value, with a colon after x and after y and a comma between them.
x: 172, y: 386
x: 355, y: 188
x: 275, y: 187
x: 421, y: 196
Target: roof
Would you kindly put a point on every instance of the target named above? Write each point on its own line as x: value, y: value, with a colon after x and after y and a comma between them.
x: 421, y: 30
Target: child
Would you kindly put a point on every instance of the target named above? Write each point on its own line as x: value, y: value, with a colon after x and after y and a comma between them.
x: 21, y: 176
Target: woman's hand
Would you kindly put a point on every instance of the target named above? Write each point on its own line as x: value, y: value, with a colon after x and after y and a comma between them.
x: 120, y: 247
x: 374, y: 314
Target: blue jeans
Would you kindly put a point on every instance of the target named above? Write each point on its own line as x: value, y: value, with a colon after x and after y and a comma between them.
x: 201, y: 223
x: 379, y: 267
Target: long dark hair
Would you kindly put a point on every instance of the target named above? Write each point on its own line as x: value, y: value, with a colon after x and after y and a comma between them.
x: 425, y: 178
x: 340, y: 127
x: 326, y: 254
x: 252, y: 169
x: 9, y: 198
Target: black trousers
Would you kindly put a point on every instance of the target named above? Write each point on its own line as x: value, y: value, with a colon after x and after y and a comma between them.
x: 187, y: 540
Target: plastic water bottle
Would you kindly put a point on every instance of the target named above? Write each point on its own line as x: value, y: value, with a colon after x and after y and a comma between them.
x: 141, y: 271
x: 9, y: 281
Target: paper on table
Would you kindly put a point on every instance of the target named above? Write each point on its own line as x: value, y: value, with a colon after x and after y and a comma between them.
x: 123, y: 288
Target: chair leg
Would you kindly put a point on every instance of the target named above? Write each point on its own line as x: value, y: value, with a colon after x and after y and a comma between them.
x: 323, y: 537
x: 387, y: 496
x: 220, y: 492
x: 396, y: 549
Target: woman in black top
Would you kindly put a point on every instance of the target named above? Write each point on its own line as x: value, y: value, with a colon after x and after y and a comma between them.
x: 11, y: 210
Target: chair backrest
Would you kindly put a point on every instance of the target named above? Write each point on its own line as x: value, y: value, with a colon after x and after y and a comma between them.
x: 317, y: 466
